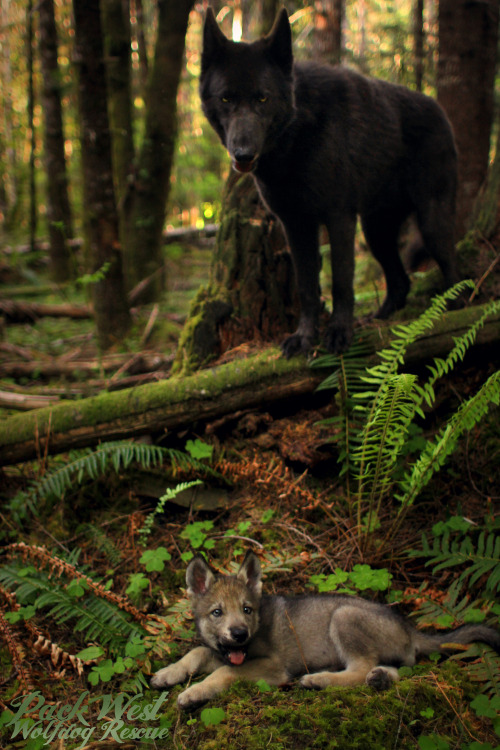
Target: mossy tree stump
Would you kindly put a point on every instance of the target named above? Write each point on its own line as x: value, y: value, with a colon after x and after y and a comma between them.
x: 251, y: 291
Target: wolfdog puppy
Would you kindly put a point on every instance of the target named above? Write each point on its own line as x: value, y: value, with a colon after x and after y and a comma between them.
x: 325, y: 639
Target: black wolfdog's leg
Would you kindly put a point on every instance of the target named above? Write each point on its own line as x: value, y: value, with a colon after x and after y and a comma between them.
x: 341, y: 229
x: 436, y: 222
x: 381, y: 233
x: 304, y: 245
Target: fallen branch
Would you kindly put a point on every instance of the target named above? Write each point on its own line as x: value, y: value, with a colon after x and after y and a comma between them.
x: 57, y: 367
x: 27, y: 312
x: 179, y: 402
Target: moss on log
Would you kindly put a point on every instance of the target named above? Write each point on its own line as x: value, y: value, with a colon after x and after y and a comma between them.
x: 181, y: 402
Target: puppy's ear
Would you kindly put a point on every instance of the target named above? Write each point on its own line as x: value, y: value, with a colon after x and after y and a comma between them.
x: 250, y: 572
x: 199, y: 576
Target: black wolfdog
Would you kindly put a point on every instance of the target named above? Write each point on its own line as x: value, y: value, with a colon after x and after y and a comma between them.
x: 325, y: 145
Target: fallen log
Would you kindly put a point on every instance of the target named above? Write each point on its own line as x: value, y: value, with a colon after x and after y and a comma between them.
x: 27, y: 312
x: 71, y: 368
x: 159, y: 407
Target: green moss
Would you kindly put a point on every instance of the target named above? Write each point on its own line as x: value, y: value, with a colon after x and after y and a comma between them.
x: 347, y: 719
x: 198, y: 341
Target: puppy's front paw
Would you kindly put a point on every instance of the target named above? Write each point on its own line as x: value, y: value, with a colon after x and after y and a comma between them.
x: 316, y: 681
x: 192, y: 697
x: 381, y: 678
x: 168, y: 676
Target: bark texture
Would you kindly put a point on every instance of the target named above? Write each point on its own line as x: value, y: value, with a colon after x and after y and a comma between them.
x: 468, y: 37
x: 251, y: 293
x: 101, y: 218
x: 58, y: 206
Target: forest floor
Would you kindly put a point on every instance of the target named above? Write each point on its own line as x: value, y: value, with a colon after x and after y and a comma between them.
x: 97, y: 562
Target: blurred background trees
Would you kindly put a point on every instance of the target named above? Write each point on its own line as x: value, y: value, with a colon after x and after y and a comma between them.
x: 155, y: 161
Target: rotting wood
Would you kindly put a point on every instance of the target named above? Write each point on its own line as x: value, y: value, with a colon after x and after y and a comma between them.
x: 159, y: 407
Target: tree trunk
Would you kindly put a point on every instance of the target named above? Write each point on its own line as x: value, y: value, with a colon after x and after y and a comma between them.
x: 137, y: 11
x: 468, y: 36
x: 147, y: 204
x: 117, y: 40
x: 31, y: 122
x: 251, y: 293
x: 419, y: 41
x: 328, y: 30
x: 181, y: 402
x: 101, y: 219
x: 58, y: 206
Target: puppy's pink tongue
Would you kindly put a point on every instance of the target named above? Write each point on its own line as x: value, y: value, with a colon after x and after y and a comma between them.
x: 236, y: 657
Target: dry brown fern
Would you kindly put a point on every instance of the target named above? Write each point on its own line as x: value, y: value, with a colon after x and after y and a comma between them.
x: 17, y: 654
x: 60, y: 567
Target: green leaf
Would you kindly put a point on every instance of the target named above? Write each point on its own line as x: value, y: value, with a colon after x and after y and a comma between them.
x: 432, y: 742
x: 364, y: 577
x: 91, y: 652
x: 263, y: 686
x: 212, y: 716
x: 138, y: 582
x: 267, y: 515
x: 198, y: 449
x: 154, y: 559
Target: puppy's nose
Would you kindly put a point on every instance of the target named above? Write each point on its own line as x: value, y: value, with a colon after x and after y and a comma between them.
x: 239, y: 634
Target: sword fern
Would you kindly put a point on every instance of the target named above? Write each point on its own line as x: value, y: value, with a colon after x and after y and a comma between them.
x: 379, y: 406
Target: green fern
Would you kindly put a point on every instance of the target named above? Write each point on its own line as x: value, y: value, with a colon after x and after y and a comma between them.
x: 102, y: 542
x: 96, y: 618
x: 170, y: 494
x: 117, y: 455
x: 378, y: 410
x: 442, y: 446
x: 479, y: 557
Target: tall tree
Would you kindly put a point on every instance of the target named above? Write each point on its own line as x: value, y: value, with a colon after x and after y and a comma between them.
x: 30, y: 35
x: 58, y: 205
x: 117, y: 42
x: 156, y: 155
x: 468, y: 38
x: 419, y: 41
x: 328, y: 30
x: 101, y: 218
x: 145, y: 197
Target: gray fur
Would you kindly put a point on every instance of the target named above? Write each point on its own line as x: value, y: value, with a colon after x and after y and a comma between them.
x: 325, y: 639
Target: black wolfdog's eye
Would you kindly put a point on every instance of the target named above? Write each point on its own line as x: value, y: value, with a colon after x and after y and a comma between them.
x: 217, y: 612
x: 262, y: 99
x: 247, y: 610
x: 225, y: 99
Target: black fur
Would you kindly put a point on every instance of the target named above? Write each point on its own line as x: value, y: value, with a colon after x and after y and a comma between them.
x: 326, y: 145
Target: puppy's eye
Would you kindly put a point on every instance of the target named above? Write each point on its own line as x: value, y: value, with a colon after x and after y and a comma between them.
x: 217, y: 612
x: 247, y: 610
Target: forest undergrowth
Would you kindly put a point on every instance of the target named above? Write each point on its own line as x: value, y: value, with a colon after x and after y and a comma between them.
x: 93, y: 600
x: 94, y: 546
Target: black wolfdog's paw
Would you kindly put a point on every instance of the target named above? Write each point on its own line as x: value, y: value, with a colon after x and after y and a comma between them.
x: 338, y: 339
x: 295, y: 344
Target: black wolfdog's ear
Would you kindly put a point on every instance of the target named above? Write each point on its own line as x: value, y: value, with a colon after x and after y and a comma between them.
x: 199, y: 576
x: 214, y: 41
x: 250, y: 572
x: 279, y: 41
